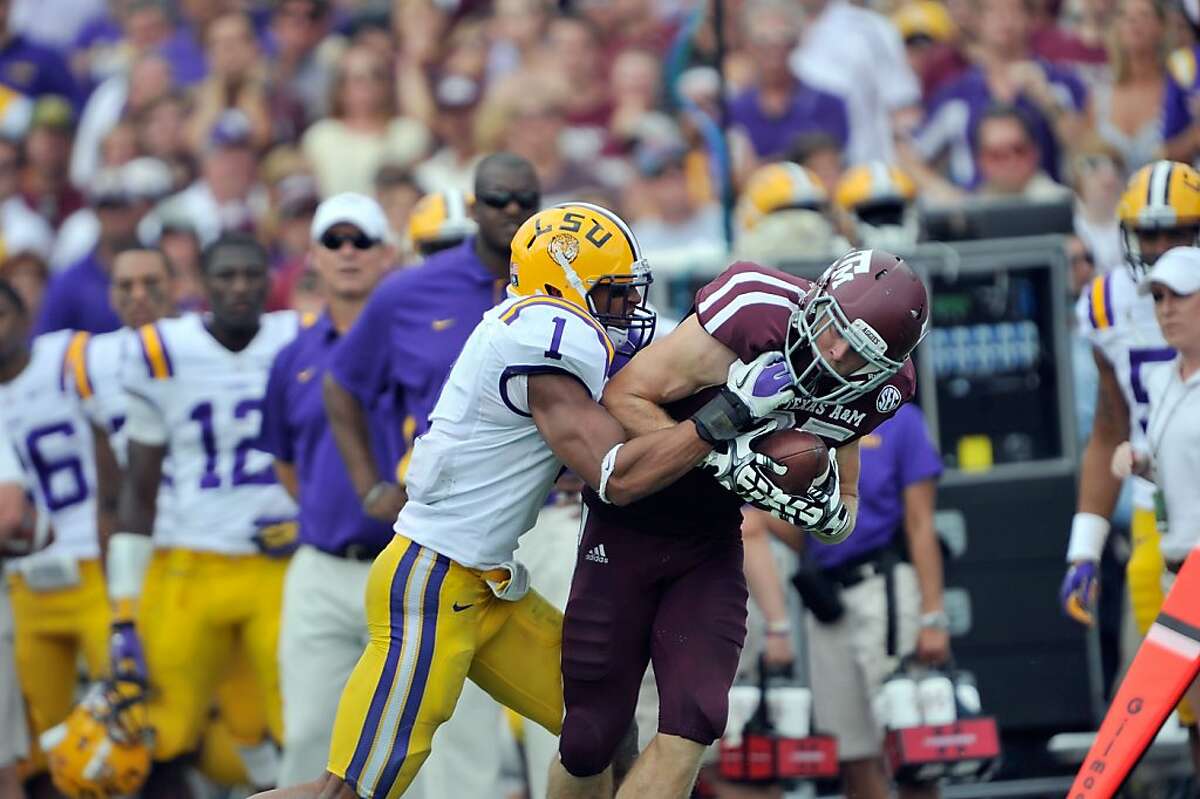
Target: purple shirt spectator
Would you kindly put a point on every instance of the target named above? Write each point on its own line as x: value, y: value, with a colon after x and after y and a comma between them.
x: 35, y: 70
x: 77, y: 299
x: 897, y: 454
x: 956, y: 109
x: 402, y: 346
x: 296, y: 430
x: 811, y: 110
x: 1183, y: 84
x: 184, y: 52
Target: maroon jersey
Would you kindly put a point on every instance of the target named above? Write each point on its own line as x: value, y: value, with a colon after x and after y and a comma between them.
x: 747, y: 308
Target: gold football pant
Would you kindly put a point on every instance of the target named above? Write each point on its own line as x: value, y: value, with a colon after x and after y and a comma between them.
x: 51, y: 630
x: 1144, y: 574
x: 433, y: 623
x: 201, y: 613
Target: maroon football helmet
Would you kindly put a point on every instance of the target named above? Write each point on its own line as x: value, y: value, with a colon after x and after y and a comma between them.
x: 874, y: 301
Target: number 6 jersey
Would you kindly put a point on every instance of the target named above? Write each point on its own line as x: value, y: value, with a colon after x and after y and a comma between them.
x: 480, y: 475
x: 54, y: 442
x: 187, y: 391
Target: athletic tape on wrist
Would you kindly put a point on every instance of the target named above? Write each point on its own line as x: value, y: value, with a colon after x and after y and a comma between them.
x: 607, y: 466
x: 128, y: 557
x: 1088, y: 534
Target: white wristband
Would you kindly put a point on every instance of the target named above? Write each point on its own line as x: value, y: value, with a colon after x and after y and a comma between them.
x: 128, y: 557
x: 607, y: 466
x: 1088, y: 534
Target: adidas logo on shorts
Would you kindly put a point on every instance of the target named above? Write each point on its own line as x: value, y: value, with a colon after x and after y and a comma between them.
x: 597, y: 554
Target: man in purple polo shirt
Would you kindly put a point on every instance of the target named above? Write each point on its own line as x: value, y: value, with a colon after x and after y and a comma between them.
x: 322, y: 631
x: 400, y: 350
x: 890, y: 578
x: 77, y: 297
x: 779, y: 107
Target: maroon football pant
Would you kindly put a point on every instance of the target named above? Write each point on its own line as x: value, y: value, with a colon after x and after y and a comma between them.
x: 679, y: 602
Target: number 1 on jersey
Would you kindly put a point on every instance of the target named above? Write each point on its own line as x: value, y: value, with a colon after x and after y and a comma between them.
x: 556, y: 340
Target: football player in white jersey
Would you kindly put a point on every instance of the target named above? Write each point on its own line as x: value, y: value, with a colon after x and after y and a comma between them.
x: 1159, y: 210
x: 194, y: 388
x: 57, y: 593
x: 446, y: 600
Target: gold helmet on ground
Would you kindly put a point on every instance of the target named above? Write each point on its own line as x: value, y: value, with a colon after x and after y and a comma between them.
x: 102, y: 749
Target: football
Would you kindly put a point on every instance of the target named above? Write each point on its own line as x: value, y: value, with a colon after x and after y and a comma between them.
x: 804, y: 454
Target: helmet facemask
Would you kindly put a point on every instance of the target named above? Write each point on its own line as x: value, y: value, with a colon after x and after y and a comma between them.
x: 814, y: 377
x: 623, y: 309
x: 1131, y: 245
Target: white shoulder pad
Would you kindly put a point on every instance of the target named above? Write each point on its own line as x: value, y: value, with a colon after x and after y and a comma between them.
x: 1095, y: 310
x: 545, y: 334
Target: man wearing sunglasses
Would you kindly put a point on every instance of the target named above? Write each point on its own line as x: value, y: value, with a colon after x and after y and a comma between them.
x: 383, y: 379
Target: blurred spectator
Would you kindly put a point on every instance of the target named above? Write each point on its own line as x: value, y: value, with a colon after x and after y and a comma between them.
x: 236, y: 81
x: 27, y: 273
x: 227, y: 195
x: 109, y: 45
x: 1005, y: 72
x: 122, y: 95
x: 1081, y: 264
x: 1128, y: 106
x: 1180, y: 104
x: 1081, y: 46
x: 184, y: 50
x: 931, y: 43
x: 574, y: 45
x: 453, y: 165
x: 397, y: 192
x: 120, y: 145
x: 179, y: 243
x: 778, y: 107
x: 535, y: 127
x: 856, y: 54
x: 1098, y: 184
x: 699, y: 90
x: 21, y: 230
x: 141, y: 182
x: 77, y: 298
x: 819, y: 153
x: 300, y: 62
x: 1009, y: 161
x: 678, y: 222
x: 364, y: 130
x: 515, y: 29
x: 53, y: 23
x: 44, y: 183
x: 160, y: 130
x: 636, y: 80
x: 32, y: 69
x: 295, y: 200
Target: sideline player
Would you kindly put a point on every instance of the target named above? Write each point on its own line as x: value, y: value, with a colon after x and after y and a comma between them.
x: 194, y: 390
x: 1159, y: 210
x: 57, y: 593
x: 447, y: 600
x: 661, y: 580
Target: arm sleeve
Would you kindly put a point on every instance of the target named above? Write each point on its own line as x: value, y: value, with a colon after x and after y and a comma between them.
x: 144, y: 422
x: 274, y: 436
x: 748, y: 307
x: 361, y: 359
x: 551, y: 339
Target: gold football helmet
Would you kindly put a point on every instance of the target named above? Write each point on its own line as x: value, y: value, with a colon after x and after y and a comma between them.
x: 925, y: 18
x: 879, y: 198
x: 102, y: 749
x: 1160, y: 209
x: 440, y: 220
x: 780, y: 186
x: 586, y: 255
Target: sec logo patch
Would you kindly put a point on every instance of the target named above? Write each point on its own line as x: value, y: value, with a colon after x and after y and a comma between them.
x: 888, y: 400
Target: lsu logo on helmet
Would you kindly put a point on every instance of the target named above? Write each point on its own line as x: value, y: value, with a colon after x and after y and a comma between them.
x: 102, y: 749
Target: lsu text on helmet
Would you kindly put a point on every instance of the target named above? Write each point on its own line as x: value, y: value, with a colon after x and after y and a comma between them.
x: 587, y: 255
x: 1160, y: 209
x: 440, y: 220
x: 102, y: 749
x: 877, y: 304
x: 880, y: 199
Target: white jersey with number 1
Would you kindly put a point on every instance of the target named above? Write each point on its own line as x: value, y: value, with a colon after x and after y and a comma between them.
x: 1120, y: 323
x: 204, y: 402
x: 481, y: 474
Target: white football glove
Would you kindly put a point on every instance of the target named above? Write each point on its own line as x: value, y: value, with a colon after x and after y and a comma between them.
x: 752, y: 391
x: 818, y: 511
x: 739, y: 453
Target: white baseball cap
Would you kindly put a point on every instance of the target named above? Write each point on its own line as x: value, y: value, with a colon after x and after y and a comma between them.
x: 1178, y: 269
x: 354, y: 209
